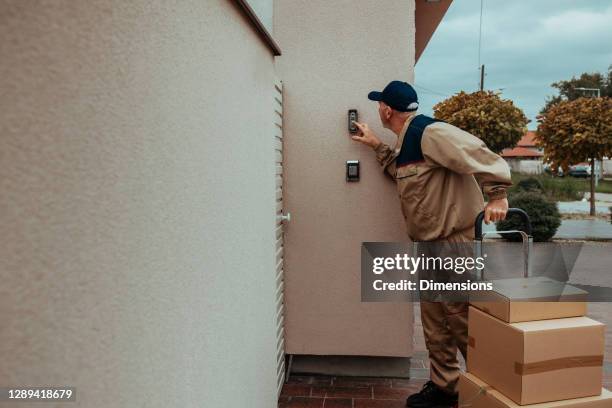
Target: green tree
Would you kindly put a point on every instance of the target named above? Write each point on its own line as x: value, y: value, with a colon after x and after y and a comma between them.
x: 577, y: 131
x: 569, y: 90
x: 484, y: 114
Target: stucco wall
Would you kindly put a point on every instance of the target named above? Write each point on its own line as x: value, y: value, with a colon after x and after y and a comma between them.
x: 334, y: 53
x: 137, y: 203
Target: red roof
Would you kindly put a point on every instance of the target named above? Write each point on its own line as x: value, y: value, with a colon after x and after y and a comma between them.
x: 528, y: 140
x: 521, y: 152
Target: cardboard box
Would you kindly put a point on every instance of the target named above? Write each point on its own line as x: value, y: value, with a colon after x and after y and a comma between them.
x: 475, y: 393
x: 535, y: 298
x: 538, y: 361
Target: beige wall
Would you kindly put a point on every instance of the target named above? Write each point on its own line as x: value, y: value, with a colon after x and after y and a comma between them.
x: 334, y: 53
x: 137, y: 203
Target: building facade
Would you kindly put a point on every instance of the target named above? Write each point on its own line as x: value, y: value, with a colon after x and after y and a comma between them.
x: 143, y: 183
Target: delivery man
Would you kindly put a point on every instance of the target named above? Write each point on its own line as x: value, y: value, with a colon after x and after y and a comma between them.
x: 441, y: 172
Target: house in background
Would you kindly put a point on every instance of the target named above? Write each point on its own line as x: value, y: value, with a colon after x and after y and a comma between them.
x: 526, y: 157
x: 606, y: 167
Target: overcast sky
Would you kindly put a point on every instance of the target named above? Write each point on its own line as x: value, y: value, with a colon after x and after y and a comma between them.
x: 526, y: 46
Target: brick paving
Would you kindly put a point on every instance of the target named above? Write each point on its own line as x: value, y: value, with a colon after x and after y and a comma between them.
x: 322, y: 391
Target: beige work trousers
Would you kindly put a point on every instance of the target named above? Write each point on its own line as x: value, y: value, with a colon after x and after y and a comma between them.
x: 445, y: 329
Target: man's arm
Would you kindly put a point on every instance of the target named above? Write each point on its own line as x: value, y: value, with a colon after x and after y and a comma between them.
x: 464, y: 153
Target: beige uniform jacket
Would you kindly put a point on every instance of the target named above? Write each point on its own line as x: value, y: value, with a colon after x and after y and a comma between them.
x: 442, y: 195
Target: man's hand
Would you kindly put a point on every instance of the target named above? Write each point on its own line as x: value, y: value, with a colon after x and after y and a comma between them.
x: 366, y: 136
x: 496, y: 210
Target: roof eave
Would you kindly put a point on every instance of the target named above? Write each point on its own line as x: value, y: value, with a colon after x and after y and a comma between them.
x: 428, y: 14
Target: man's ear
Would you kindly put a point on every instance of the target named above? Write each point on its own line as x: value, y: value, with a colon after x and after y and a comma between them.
x: 388, y: 112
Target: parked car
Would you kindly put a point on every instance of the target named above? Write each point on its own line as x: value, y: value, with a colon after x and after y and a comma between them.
x: 580, y: 170
x: 548, y: 170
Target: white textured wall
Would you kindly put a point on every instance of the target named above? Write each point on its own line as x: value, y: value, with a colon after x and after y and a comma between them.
x: 136, y: 203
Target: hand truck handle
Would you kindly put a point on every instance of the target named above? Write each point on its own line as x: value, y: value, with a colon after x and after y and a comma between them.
x: 511, y: 211
x: 526, y: 236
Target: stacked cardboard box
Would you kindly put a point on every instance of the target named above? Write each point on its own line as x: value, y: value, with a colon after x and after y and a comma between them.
x: 555, y: 361
x: 550, y: 299
x: 475, y: 393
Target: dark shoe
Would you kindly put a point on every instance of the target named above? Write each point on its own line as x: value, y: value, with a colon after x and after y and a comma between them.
x: 431, y: 396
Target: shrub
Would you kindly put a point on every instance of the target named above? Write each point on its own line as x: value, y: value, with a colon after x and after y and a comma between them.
x: 544, y: 216
x: 530, y: 184
x: 555, y: 188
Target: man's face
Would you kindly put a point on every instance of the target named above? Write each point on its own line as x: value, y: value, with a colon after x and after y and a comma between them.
x: 385, y: 112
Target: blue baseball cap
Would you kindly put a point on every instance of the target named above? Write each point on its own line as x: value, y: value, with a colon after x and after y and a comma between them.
x: 399, y: 95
